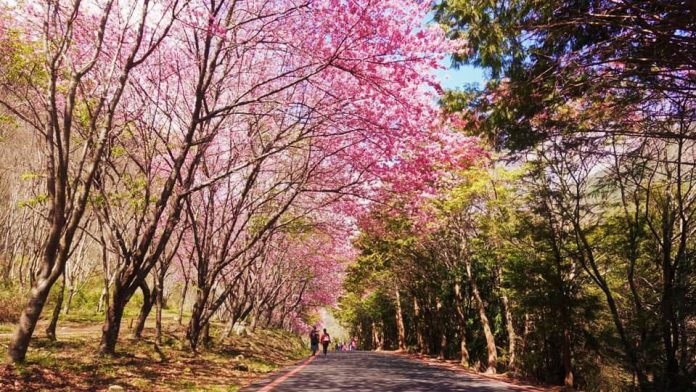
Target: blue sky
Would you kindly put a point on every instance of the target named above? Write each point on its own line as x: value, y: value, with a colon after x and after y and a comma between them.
x: 456, y: 78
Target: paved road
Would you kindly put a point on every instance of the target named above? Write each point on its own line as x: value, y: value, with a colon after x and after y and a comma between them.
x: 369, y: 371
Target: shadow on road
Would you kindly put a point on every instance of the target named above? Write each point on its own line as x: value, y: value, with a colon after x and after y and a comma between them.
x: 369, y: 371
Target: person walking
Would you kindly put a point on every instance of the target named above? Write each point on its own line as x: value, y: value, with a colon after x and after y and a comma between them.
x: 325, y: 340
x: 314, y: 340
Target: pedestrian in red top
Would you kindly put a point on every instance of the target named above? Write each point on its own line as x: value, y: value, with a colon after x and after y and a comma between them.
x: 325, y: 340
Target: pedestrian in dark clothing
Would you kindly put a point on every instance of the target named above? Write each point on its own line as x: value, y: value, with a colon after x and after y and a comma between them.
x: 314, y: 340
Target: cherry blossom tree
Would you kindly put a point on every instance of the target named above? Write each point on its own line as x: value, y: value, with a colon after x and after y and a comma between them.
x: 66, y: 82
x: 255, y: 83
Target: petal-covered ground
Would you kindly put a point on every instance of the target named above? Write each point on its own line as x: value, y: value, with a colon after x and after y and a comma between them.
x: 72, y: 363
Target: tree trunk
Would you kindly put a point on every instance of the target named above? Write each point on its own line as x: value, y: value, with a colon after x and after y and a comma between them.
x: 145, y: 309
x: 159, y: 302
x: 112, y: 323
x: 593, y: 270
x: 193, y: 333
x: 512, y: 336
x: 401, y: 331
x: 79, y: 258
x: 566, y: 338
x: 442, y: 344
x: 375, y: 344
x: 68, y: 302
x: 110, y: 330
x: 180, y: 319
x: 380, y: 336
x: 51, y: 329
x: 462, y: 325
x: 464, y: 362
x: 566, y: 353
x: 102, y: 299
x: 668, y: 320
x: 227, y: 332
x: 206, y: 335
x: 376, y: 338
x: 10, y: 257
x: 490, y: 339
x: 269, y: 317
x: 419, y: 331
x: 255, y: 320
x: 52, y: 267
x: 19, y: 344
x: 525, y: 332
x: 194, y: 329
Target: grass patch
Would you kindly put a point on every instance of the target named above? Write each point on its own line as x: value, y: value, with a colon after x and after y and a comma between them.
x: 223, y: 388
x: 83, y: 317
x: 259, y: 366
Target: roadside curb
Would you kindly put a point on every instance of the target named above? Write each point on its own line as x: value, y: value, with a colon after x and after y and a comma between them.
x: 277, y: 377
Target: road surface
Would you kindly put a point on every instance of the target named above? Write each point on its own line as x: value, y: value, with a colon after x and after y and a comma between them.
x: 370, y: 371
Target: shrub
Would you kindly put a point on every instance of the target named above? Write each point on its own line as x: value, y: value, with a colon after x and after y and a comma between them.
x: 11, y: 302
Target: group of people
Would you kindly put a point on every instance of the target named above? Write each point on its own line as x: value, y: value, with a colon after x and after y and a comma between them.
x: 349, y: 346
x: 325, y: 340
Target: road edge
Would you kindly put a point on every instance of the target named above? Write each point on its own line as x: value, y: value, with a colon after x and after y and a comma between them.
x: 458, y: 369
x: 277, y: 377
